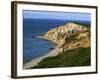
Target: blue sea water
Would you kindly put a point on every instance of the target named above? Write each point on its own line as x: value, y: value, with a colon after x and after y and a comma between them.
x: 33, y: 46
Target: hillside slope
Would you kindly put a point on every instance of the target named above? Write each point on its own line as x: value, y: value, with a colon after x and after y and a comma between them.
x: 70, y: 58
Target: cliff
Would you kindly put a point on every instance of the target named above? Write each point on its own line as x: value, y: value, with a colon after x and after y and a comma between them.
x: 69, y: 36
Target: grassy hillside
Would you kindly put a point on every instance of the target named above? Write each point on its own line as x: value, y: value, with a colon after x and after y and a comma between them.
x: 70, y: 58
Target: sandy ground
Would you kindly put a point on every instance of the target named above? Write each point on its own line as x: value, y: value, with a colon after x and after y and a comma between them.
x: 34, y: 62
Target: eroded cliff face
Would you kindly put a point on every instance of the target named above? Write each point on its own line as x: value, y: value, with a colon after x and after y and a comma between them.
x: 76, y: 41
x: 69, y: 36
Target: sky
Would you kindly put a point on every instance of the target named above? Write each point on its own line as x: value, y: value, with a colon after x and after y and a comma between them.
x: 31, y: 14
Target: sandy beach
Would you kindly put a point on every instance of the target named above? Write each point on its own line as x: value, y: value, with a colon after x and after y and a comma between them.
x: 34, y: 62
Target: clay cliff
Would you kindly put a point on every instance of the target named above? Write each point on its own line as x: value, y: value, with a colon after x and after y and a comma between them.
x: 69, y: 36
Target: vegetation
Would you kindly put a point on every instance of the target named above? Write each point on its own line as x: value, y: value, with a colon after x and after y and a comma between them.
x: 70, y: 58
x: 86, y: 25
x: 70, y: 38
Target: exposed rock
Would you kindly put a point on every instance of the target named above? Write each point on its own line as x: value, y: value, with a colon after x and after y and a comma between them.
x: 79, y: 40
x: 69, y: 36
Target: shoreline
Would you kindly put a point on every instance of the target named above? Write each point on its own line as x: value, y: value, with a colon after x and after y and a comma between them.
x: 35, y: 61
x: 41, y: 37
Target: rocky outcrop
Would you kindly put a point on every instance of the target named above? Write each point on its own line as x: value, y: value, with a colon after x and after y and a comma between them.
x: 76, y: 41
x: 69, y: 36
x: 58, y: 34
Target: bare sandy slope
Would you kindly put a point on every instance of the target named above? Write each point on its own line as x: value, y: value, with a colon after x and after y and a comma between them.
x: 34, y: 62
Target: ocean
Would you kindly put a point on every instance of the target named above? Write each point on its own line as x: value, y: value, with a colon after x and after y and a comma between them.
x: 33, y: 46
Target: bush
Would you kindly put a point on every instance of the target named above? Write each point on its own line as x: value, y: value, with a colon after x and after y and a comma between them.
x: 71, y: 58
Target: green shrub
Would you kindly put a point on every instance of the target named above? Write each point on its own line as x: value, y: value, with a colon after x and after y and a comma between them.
x: 71, y: 58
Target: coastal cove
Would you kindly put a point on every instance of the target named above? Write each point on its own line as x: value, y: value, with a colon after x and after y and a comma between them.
x: 33, y: 46
x: 36, y: 47
x: 34, y: 62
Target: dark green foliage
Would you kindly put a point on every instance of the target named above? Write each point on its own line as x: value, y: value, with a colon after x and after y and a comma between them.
x: 70, y: 38
x: 86, y: 25
x: 71, y: 58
